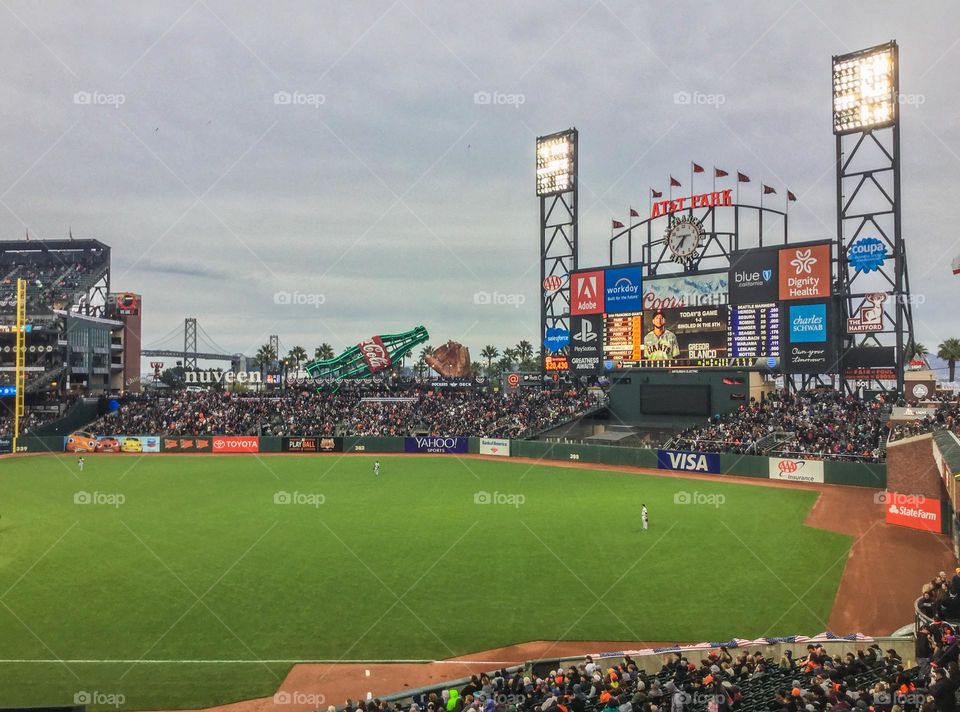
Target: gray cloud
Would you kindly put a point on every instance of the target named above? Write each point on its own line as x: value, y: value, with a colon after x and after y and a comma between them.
x: 396, y: 196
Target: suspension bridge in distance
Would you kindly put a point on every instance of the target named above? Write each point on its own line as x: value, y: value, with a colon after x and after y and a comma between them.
x: 193, y: 334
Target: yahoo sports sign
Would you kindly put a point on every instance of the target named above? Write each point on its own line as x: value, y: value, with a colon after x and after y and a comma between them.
x: 435, y: 443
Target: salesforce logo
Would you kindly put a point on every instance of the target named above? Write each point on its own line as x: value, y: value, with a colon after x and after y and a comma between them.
x: 867, y: 254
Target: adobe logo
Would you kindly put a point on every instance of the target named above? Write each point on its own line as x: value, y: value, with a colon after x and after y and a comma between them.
x: 586, y: 292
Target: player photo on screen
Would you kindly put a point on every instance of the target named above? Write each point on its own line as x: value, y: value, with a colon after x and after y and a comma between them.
x: 685, y: 333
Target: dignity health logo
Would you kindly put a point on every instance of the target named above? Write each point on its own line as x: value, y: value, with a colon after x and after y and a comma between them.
x: 804, y: 261
x: 808, y: 323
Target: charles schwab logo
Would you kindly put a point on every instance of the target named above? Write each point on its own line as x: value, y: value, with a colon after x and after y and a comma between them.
x: 867, y: 254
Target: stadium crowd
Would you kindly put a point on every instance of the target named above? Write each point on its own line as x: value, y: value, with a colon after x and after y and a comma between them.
x: 722, y: 680
x: 824, y: 423
x: 946, y: 415
x: 51, y: 279
x: 348, y: 412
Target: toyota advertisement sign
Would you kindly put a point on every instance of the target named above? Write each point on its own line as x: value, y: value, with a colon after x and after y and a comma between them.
x: 236, y: 443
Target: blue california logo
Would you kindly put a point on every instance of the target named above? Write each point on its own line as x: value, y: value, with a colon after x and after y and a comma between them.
x: 867, y: 254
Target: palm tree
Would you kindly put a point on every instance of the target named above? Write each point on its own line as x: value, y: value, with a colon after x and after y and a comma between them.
x: 422, y: 363
x: 323, y: 352
x: 510, y: 357
x: 524, y: 350
x: 265, y: 355
x: 489, y: 352
x: 476, y: 368
x: 297, y: 355
x: 949, y: 351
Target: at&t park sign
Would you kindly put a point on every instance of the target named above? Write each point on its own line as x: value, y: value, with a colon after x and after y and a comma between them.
x: 715, y: 199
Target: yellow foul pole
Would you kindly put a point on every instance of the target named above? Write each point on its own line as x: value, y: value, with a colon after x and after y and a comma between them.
x: 20, y: 356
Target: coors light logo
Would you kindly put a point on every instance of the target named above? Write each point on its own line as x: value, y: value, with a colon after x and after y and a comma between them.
x: 375, y: 354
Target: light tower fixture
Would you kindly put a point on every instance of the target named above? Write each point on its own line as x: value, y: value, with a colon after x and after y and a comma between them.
x: 865, y: 89
x: 556, y: 162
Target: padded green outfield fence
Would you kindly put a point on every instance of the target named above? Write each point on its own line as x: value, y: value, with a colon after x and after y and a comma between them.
x: 860, y: 474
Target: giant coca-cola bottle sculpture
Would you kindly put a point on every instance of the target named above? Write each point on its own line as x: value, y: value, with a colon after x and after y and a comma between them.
x: 366, y: 358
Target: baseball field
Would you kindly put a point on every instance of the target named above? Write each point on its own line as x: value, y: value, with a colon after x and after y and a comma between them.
x: 161, y: 581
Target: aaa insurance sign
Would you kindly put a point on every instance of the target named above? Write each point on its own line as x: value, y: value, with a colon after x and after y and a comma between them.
x: 586, y: 292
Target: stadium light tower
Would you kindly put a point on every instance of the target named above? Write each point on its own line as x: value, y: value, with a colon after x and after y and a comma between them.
x: 871, y: 258
x: 557, y: 190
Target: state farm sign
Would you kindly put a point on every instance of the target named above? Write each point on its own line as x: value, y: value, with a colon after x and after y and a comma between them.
x: 914, y: 511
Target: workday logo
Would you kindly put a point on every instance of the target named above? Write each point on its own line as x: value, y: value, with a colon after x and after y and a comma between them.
x: 808, y: 323
x: 623, y: 292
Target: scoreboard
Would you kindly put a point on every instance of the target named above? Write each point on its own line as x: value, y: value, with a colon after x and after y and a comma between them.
x: 623, y: 337
x: 772, y: 309
x: 755, y: 330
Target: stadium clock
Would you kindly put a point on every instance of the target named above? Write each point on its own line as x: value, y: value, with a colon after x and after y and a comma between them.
x: 684, y: 238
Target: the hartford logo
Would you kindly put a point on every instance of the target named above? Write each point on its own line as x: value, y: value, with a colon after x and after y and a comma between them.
x: 106, y: 699
x: 314, y: 699
x: 99, y: 498
x: 484, y: 497
x: 312, y: 500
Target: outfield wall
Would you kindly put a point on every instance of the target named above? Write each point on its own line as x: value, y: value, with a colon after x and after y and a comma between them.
x: 860, y: 474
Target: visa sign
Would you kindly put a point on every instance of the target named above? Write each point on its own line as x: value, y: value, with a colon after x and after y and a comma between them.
x: 689, y: 461
x: 623, y: 290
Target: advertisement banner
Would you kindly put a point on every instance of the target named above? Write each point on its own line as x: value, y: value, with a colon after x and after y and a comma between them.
x: 495, y: 446
x: 794, y: 470
x: 695, y: 290
x: 913, y: 511
x: 805, y: 271
x: 81, y: 442
x: 754, y: 276
x: 688, y: 461
x: 623, y: 290
x: 435, y: 443
x: 187, y: 443
x: 586, y: 292
x: 807, y: 328
x: 586, y: 344
x: 236, y: 443
x: 311, y: 444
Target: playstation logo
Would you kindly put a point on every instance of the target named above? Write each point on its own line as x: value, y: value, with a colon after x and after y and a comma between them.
x: 586, y: 333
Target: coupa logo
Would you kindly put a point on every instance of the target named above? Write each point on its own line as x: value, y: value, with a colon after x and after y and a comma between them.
x: 808, y: 323
x: 688, y: 461
x: 867, y: 254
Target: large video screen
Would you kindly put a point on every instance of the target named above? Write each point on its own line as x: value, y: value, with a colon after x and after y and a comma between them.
x: 675, y: 400
x: 761, y: 313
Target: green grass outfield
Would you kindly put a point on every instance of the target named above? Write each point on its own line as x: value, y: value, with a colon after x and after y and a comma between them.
x: 199, y: 574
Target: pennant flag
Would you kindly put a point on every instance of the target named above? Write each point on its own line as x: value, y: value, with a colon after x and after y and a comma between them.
x: 719, y: 173
x: 674, y: 183
x: 617, y: 223
x: 767, y: 189
x: 742, y: 178
x: 697, y: 169
x: 791, y: 197
x: 656, y: 193
x: 634, y: 213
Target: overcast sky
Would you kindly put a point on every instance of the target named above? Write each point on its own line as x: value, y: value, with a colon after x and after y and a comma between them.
x: 384, y: 195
